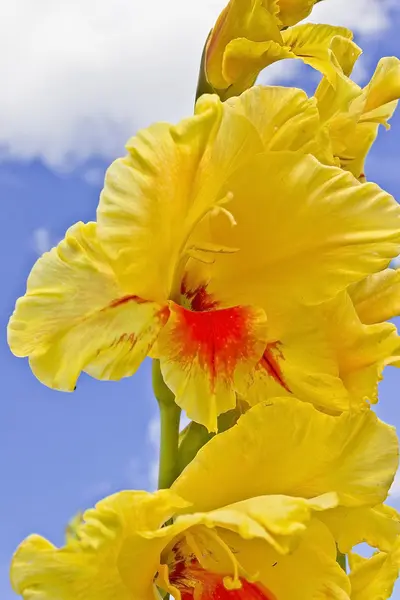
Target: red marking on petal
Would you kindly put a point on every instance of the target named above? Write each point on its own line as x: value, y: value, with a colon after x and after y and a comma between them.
x: 269, y: 362
x: 195, y: 583
x: 126, y: 337
x: 124, y: 300
x: 161, y: 315
x: 220, y: 339
x: 199, y: 299
x: 215, y: 33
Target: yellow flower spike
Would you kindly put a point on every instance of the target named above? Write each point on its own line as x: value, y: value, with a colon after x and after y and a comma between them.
x: 252, y: 34
x: 210, y: 235
x: 352, y: 114
x: 257, y: 532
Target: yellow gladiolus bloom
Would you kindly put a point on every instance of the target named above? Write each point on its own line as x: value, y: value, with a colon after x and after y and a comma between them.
x: 252, y: 34
x: 353, y: 114
x: 266, y: 529
x: 204, y: 231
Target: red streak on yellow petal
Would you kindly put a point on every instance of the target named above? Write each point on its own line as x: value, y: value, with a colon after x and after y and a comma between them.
x: 125, y: 337
x: 215, y: 33
x: 125, y: 299
x: 270, y: 362
x: 220, y: 339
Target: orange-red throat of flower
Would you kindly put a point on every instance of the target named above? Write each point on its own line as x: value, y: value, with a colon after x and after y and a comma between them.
x: 218, y: 341
x: 195, y: 583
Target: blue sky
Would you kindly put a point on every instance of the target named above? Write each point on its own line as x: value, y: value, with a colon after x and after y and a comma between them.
x: 62, y: 452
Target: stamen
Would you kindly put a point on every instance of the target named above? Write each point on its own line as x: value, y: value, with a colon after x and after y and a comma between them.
x: 220, y: 209
x: 210, y: 248
x: 231, y: 583
x: 185, y: 253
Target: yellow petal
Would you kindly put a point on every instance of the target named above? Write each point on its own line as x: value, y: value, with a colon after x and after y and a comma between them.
x: 244, y: 57
x: 362, y: 350
x: 288, y: 447
x: 285, y: 119
x: 299, y: 360
x: 324, y: 355
x: 382, y: 92
x: 293, y: 11
x: 309, y: 571
x: 170, y: 180
x: 373, y: 107
x: 355, y: 560
x: 344, y: 53
x: 278, y: 520
x: 353, y: 115
x: 206, y: 356
x: 336, y: 99
x: 375, y: 578
x: 109, y: 560
x: 377, y: 297
x: 312, y: 43
x: 378, y: 526
x: 304, y: 232
x: 75, y: 316
x: 253, y: 19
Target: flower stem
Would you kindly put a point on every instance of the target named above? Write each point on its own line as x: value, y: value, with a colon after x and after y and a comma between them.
x: 170, y: 414
x: 341, y: 560
x: 203, y: 87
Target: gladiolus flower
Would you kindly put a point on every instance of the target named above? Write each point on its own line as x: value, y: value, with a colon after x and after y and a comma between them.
x: 266, y: 529
x: 206, y: 230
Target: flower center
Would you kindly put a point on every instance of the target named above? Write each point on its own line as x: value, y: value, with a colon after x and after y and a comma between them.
x: 195, y: 583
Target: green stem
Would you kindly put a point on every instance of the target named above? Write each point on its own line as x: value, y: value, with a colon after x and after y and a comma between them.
x: 168, y: 469
x: 203, y: 87
x: 342, y: 561
x: 170, y: 414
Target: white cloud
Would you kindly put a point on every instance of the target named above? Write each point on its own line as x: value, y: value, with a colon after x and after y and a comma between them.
x: 362, y: 16
x: 81, y: 77
x: 42, y: 241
